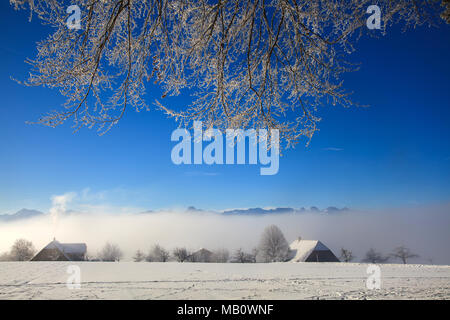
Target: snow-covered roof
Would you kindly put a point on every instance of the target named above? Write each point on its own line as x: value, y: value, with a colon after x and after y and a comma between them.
x: 69, y: 248
x: 301, y: 249
x: 202, y: 250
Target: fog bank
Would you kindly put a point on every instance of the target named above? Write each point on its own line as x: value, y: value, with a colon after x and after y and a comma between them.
x: 425, y: 230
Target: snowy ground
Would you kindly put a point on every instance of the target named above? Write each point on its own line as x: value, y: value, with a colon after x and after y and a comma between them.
x: 128, y: 280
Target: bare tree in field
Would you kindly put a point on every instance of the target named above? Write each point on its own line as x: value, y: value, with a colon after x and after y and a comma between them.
x: 273, y: 245
x: 110, y: 252
x: 158, y: 254
x: 240, y: 256
x: 403, y: 254
x: 346, y: 255
x: 373, y: 256
x: 248, y: 64
x: 22, y: 250
x: 181, y: 254
x: 138, y: 256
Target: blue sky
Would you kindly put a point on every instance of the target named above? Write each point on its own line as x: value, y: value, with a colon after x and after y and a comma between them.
x: 394, y: 153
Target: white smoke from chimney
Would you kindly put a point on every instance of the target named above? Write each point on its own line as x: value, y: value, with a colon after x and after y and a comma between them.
x: 59, y: 206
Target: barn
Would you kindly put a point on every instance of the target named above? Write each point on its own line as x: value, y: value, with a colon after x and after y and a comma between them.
x: 201, y: 255
x: 310, y: 251
x: 57, y: 251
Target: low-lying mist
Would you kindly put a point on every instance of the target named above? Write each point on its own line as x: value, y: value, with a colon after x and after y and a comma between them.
x: 425, y: 230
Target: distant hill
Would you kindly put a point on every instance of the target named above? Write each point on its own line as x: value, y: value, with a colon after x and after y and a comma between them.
x: 28, y: 213
x: 260, y: 211
x: 19, y: 215
x: 332, y: 210
x: 257, y: 211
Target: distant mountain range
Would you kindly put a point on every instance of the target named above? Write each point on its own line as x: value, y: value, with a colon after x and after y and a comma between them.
x: 27, y: 213
x: 19, y: 215
x: 258, y: 211
x: 261, y: 211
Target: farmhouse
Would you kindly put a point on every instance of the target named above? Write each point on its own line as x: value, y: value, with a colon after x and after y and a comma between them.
x: 310, y: 251
x: 56, y: 251
x: 201, y: 255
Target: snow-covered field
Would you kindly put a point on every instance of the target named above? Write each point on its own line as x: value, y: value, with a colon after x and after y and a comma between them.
x: 128, y: 280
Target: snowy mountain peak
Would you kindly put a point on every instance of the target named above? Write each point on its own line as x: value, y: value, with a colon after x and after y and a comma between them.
x: 21, y: 214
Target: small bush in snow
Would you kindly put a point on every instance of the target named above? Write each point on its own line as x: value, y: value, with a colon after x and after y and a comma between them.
x: 138, y: 256
x: 240, y: 256
x: 373, y: 256
x: 158, y: 254
x: 110, y: 252
x: 181, y: 254
x: 346, y: 255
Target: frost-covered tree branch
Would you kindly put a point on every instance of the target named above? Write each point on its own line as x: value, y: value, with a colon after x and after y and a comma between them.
x: 248, y: 64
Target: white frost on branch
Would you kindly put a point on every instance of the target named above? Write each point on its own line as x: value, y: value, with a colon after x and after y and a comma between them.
x: 249, y: 64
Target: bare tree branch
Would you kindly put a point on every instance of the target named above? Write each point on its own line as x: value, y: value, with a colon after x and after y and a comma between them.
x: 262, y: 64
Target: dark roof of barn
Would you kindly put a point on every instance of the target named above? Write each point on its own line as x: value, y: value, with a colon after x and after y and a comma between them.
x: 67, y: 248
x: 202, y: 251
